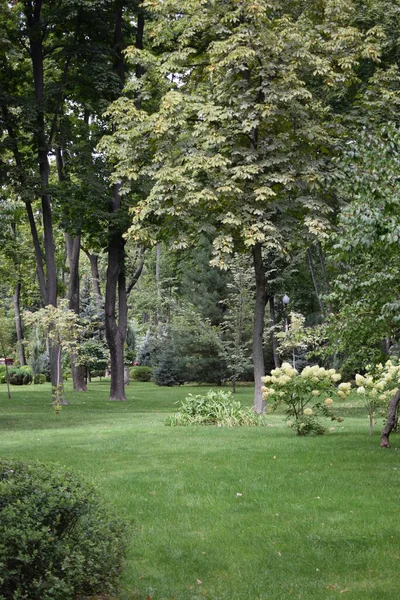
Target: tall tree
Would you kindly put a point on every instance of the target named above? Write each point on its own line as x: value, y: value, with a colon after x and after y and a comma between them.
x: 242, y: 137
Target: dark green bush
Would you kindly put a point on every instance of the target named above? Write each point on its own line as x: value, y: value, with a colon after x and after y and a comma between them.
x: 98, y: 373
x: 169, y: 371
x: 140, y: 373
x: 20, y: 375
x: 56, y: 538
x: 39, y: 378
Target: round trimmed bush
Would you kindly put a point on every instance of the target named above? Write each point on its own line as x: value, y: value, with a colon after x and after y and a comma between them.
x: 56, y: 538
x: 140, y: 373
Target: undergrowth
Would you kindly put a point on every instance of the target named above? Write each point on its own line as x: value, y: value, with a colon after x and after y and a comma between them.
x: 214, y: 408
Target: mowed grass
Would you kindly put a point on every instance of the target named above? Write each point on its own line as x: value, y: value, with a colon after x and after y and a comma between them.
x: 225, y: 514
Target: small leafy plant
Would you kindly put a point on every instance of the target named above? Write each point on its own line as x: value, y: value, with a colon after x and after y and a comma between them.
x: 214, y: 408
x: 306, y: 395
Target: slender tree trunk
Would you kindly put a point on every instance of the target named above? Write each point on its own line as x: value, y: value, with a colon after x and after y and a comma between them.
x: 324, y: 274
x: 18, y: 323
x: 272, y: 319
x: 314, y: 280
x: 73, y: 251
x: 158, y: 281
x: 38, y: 253
x: 35, y: 33
x: 390, y: 420
x: 94, y: 266
x: 116, y: 292
x: 115, y: 280
x: 259, y: 315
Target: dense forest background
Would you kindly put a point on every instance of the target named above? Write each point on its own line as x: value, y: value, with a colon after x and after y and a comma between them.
x: 211, y: 187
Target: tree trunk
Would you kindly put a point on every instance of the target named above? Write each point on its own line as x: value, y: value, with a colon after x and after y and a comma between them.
x: 116, y: 287
x: 94, y: 266
x: 277, y: 362
x: 314, y: 280
x: 35, y: 34
x: 126, y: 375
x: 324, y: 274
x: 18, y: 323
x: 73, y: 251
x: 115, y: 280
x: 259, y: 315
x: 390, y: 420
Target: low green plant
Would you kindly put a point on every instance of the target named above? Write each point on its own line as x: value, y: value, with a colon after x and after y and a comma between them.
x: 214, y: 408
x: 140, y: 373
x: 57, y: 539
x: 20, y: 375
x: 39, y: 378
x: 306, y: 395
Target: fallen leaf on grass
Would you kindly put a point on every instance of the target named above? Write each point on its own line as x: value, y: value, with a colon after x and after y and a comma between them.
x: 343, y: 591
x: 198, y: 581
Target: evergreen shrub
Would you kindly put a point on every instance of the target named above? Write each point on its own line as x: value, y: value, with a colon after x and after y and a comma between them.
x: 20, y: 375
x: 39, y: 378
x: 140, y: 373
x: 168, y: 371
x: 56, y: 538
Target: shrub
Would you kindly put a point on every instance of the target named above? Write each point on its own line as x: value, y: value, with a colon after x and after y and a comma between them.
x: 302, y: 394
x: 39, y: 378
x: 379, y: 384
x: 20, y: 375
x: 140, y: 373
x: 169, y: 369
x: 215, y: 408
x: 98, y: 373
x: 57, y: 539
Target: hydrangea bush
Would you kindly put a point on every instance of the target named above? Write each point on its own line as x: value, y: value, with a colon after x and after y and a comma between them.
x: 379, y: 384
x: 306, y: 395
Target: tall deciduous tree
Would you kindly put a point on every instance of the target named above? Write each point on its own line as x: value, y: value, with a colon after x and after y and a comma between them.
x: 241, y: 137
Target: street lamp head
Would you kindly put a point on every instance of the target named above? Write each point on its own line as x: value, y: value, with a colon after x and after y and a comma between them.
x: 285, y: 300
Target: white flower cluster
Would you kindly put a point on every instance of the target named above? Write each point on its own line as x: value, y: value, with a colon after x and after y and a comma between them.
x: 319, y: 377
x: 383, y: 385
x: 279, y: 377
x: 318, y: 374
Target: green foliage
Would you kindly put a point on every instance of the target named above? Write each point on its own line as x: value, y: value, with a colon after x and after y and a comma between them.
x: 377, y: 387
x: 57, y: 538
x: 94, y: 355
x: 236, y: 327
x: 365, y: 293
x: 140, y: 373
x: 20, y: 375
x: 39, y: 378
x: 168, y: 372
x: 214, y: 408
x: 301, y: 394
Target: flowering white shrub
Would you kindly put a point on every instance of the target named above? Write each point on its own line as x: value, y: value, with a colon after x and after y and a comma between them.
x: 377, y: 387
x: 307, y: 395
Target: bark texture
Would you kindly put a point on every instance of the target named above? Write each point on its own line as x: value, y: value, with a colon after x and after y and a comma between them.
x: 18, y: 323
x: 73, y: 245
x: 116, y: 299
x: 259, y: 315
x: 391, y: 420
x: 272, y: 320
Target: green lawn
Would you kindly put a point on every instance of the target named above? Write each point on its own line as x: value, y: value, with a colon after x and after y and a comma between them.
x: 225, y: 514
